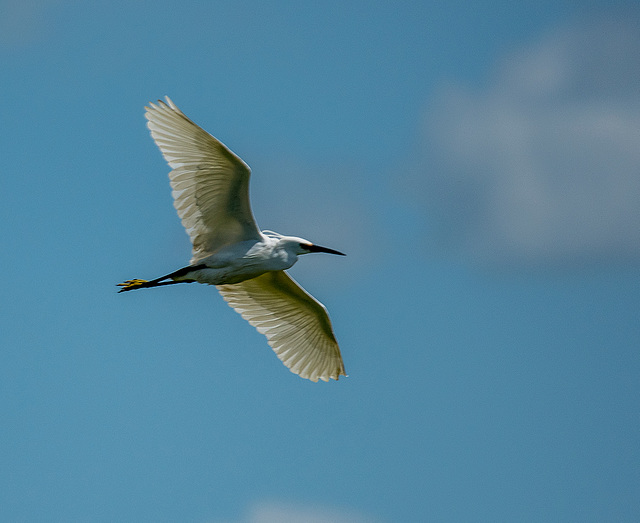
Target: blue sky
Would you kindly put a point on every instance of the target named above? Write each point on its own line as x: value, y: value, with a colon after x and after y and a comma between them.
x: 478, y: 162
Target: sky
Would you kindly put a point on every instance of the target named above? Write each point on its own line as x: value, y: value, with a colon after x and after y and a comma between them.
x: 479, y: 163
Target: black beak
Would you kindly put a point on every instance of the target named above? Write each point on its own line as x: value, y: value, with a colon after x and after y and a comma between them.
x: 317, y: 248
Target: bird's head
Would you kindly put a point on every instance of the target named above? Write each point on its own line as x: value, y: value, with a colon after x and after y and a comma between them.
x: 300, y: 246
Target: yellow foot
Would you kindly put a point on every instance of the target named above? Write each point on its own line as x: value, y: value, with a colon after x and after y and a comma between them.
x: 131, y: 284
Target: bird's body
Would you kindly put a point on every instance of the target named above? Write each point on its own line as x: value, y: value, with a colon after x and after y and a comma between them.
x: 211, y: 194
x: 244, y: 260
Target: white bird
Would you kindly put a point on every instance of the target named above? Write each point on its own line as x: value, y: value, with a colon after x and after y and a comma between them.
x: 211, y: 194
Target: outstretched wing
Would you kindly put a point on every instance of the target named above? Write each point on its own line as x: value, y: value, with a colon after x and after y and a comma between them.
x: 296, y: 325
x: 210, y: 184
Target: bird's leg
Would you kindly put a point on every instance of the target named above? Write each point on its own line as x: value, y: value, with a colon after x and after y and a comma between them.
x: 129, y: 285
x: 132, y: 284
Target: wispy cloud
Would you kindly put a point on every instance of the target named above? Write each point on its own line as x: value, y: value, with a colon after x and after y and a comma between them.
x: 542, y: 166
x: 23, y: 21
x: 279, y: 512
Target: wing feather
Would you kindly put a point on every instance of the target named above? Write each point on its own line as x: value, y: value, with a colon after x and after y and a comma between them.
x: 210, y: 184
x: 296, y: 325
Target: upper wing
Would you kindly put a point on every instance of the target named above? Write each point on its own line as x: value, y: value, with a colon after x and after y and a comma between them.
x: 210, y: 184
x: 296, y: 325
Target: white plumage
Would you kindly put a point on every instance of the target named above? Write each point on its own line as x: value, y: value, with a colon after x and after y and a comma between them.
x: 211, y: 194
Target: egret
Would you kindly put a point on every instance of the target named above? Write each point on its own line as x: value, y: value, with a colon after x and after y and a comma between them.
x: 210, y: 189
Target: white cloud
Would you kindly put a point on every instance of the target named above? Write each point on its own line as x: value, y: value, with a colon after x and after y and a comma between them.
x: 278, y: 512
x: 23, y: 21
x: 543, y: 166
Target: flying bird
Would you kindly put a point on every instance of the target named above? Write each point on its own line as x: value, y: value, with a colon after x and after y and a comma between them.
x: 211, y: 194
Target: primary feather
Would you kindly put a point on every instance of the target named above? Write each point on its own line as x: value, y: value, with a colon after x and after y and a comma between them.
x: 210, y: 184
x: 296, y: 325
